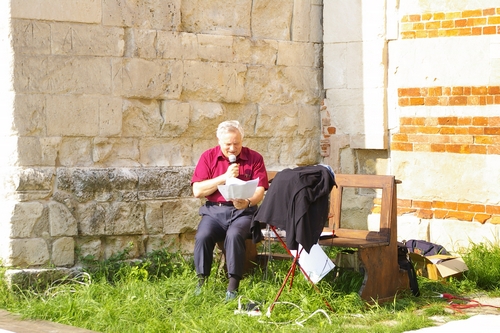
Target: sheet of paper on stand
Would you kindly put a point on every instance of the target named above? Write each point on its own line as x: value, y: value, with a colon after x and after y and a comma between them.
x: 326, y: 234
x: 238, y: 189
x: 316, y: 263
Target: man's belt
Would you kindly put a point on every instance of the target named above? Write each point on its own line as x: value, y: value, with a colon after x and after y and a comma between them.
x: 211, y: 203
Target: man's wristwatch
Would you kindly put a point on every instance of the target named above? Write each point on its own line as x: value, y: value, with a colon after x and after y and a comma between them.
x: 249, y: 203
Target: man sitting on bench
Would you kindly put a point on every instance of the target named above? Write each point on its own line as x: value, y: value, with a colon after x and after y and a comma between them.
x: 222, y: 220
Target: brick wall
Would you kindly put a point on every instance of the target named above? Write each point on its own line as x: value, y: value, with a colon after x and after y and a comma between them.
x: 435, y: 209
x: 430, y: 122
x: 449, y: 24
x: 460, y: 135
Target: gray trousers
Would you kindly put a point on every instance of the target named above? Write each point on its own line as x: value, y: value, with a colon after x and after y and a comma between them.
x: 222, y: 223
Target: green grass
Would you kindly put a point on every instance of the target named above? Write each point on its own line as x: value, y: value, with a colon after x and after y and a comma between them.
x: 157, y: 295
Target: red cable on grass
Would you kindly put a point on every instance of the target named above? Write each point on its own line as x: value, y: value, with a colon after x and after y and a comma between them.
x: 458, y: 306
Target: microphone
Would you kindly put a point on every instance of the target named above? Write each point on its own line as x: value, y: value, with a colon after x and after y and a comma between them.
x: 232, y: 158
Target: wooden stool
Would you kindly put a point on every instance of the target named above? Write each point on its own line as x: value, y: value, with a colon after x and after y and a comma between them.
x: 250, y: 256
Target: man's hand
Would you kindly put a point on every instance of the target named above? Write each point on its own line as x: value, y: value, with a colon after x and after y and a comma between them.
x: 233, y: 170
x: 240, y: 203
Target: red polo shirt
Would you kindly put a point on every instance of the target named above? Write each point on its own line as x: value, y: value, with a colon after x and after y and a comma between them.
x: 213, y: 163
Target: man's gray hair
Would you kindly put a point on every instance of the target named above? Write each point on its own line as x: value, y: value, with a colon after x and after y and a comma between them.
x: 229, y: 126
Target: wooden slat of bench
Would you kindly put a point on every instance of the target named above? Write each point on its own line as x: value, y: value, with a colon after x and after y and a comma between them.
x: 352, y: 242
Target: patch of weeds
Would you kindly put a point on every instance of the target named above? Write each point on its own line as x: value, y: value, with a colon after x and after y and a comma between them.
x: 483, y: 261
x: 156, y: 264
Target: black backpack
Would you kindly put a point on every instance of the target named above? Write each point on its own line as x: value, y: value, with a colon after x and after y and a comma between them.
x: 424, y: 248
x: 405, y: 263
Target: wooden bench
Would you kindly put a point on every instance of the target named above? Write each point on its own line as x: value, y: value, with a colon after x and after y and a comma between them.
x: 376, y: 250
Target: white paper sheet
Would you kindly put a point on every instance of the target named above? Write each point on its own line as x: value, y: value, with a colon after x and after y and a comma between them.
x: 238, y: 189
x: 315, y: 263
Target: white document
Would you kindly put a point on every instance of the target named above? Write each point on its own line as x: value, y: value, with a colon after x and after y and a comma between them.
x: 238, y: 189
x: 316, y: 263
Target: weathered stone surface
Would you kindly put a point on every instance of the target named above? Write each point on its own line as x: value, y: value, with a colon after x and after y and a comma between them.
x: 154, y: 79
x: 299, y: 54
x: 246, y: 114
x: 88, y: 11
x: 159, y: 242
x: 24, y: 218
x: 89, y: 248
x: 176, y: 116
x: 268, y: 147
x: 272, y: 19
x: 133, y: 244
x: 181, y: 216
x: 75, y: 152
x: 30, y: 151
x: 50, y: 147
x: 265, y: 85
x: 110, y: 116
x: 300, y: 151
x: 303, y: 84
x: 29, y: 115
x: 80, y: 115
x: 97, y: 184
x: 147, y: 14
x: 86, y: 39
x: 232, y: 18
x: 162, y: 152
x: 125, y: 218
x: 177, y: 45
x: 31, y: 37
x: 141, y: 118
x: 283, y: 85
x: 63, y: 251
x: 215, y: 48
x: 92, y: 219
x: 116, y: 152
x: 141, y: 43
x: 87, y: 184
x: 62, y: 222
x: 29, y: 252
x: 307, y: 19
x: 215, y: 82
x: 309, y: 120
x: 255, y: 51
x: 204, y: 119
x: 186, y: 242
x: 153, y: 217
x: 34, y: 180
x: 279, y: 120
x: 83, y: 115
x: 162, y: 183
x: 62, y: 75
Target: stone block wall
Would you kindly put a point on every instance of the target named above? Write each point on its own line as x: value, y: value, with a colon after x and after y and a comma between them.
x: 111, y: 102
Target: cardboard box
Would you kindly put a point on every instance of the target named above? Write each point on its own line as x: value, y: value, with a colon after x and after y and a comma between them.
x: 438, y: 266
